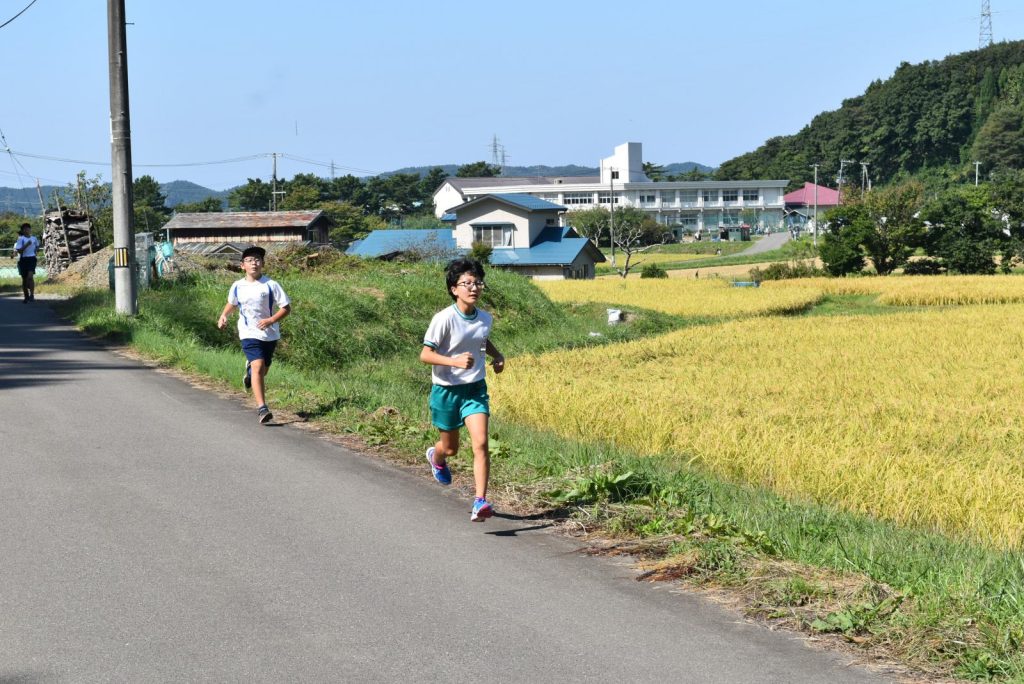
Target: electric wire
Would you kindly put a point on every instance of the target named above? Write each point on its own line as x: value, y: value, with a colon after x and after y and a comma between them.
x: 18, y: 14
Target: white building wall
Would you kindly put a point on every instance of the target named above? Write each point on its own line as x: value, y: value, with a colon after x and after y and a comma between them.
x: 446, y: 198
x: 628, y: 160
x: 490, y: 212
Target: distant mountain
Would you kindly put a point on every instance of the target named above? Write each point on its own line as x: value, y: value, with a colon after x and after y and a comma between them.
x: 930, y: 120
x: 25, y: 201
x: 541, y: 170
x: 181, y: 192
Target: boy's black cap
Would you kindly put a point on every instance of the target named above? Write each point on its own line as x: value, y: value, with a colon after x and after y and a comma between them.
x: 254, y: 251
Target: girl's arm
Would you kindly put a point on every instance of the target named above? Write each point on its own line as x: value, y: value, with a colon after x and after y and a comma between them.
x: 497, y: 358
x: 429, y: 356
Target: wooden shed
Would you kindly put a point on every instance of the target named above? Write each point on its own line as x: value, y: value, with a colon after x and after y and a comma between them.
x: 249, y: 227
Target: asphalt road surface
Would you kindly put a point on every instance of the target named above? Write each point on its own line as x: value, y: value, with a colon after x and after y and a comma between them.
x: 150, y: 531
x: 767, y: 243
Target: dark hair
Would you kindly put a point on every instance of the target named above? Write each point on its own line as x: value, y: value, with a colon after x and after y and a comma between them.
x: 25, y: 225
x: 459, y: 267
x: 254, y: 251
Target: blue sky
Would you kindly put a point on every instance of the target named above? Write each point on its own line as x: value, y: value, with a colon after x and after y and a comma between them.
x: 374, y: 86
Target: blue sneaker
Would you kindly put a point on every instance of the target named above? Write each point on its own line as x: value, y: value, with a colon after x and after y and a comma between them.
x: 481, y: 511
x: 441, y: 473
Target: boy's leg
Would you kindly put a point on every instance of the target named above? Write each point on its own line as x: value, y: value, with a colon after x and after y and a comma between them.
x: 477, y: 426
x: 31, y: 281
x: 259, y: 374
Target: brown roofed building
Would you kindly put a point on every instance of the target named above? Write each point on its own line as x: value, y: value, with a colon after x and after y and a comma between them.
x: 249, y: 227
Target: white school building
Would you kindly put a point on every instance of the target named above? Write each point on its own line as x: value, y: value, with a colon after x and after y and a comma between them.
x: 707, y: 207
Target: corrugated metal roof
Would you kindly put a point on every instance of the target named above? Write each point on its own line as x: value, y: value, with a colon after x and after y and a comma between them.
x: 500, y: 181
x: 229, y: 220
x: 521, y: 200
x: 560, y: 252
x: 384, y: 242
x: 827, y: 197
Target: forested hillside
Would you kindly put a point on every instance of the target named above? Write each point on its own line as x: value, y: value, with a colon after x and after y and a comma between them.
x: 931, y: 120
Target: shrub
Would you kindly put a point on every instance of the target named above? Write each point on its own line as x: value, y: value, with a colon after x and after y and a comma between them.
x: 481, y: 252
x: 653, y: 271
x: 926, y: 266
x: 780, y: 270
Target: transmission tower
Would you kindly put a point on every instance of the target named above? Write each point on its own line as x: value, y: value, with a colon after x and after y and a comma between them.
x: 497, y: 153
x: 985, y: 31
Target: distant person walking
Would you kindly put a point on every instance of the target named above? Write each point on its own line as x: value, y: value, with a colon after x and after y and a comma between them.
x: 26, y: 246
x: 259, y: 327
x: 454, y: 345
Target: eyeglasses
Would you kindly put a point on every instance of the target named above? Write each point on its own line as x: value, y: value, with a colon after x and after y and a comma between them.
x: 252, y: 260
x: 472, y: 284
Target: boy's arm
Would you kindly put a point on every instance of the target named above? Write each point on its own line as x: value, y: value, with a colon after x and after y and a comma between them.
x: 281, y: 313
x: 223, y: 320
x: 429, y: 356
x: 497, y: 358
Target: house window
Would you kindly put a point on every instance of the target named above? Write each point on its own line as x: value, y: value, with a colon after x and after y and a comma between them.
x: 615, y: 175
x: 551, y: 222
x: 578, y: 198
x: 688, y: 196
x: 495, y: 235
x: 751, y: 195
x: 730, y: 195
x: 709, y: 196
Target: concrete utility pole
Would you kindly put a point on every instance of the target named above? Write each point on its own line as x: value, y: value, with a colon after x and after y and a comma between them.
x: 611, y: 211
x: 125, y: 290
x: 815, y: 233
x: 976, y: 166
x: 842, y: 163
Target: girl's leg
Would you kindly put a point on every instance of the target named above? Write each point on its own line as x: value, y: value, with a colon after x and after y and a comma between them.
x: 447, y: 445
x: 31, y: 281
x: 477, y: 426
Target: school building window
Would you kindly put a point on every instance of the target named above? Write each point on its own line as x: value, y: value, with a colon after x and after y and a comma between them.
x: 751, y: 195
x: 730, y: 195
x: 709, y: 195
x: 578, y: 198
x: 688, y: 196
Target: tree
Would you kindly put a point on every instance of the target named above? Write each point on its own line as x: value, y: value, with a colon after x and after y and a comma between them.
x: 656, y: 172
x: 204, y: 206
x: 480, y: 169
x: 253, y: 196
x: 633, y: 232
x: 431, y: 182
x: 896, y: 231
x: 349, y: 222
x: 1000, y: 142
x: 590, y: 223
x: 840, y: 248
x: 146, y: 192
x: 300, y: 197
x: 964, y: 230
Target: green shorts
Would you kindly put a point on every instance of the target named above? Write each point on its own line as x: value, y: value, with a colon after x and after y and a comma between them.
x: 450, y: 404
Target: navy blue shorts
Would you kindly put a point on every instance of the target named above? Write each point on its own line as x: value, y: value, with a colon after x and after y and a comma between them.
x: 26, y: 266
x: 259, y: 349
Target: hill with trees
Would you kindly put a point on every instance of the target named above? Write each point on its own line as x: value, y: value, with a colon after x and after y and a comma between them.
x: 931, y: 120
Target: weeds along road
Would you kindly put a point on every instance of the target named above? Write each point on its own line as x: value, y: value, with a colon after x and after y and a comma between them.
x: 150, y: 531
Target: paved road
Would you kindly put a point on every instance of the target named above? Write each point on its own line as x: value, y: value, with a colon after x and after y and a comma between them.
x: 767, y: 243
x: 153, y: 532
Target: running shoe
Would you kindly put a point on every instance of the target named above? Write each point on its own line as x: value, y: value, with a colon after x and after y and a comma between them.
x: 247, y: 378
x: 264, y: 415
x: 441, y: 473
x: 481, y: 510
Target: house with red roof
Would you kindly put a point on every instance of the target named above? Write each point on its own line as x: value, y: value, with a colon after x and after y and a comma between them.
x: 800, y: 204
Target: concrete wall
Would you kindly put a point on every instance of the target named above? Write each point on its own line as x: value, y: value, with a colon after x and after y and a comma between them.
x: 491, y: 212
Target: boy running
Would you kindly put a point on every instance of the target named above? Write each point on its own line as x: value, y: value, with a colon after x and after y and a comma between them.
x: 26, y: 247
x: 259, y: 328
x: 454, y: 346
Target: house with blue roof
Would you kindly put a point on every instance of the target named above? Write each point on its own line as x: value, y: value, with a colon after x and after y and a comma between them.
x: 525, y: 233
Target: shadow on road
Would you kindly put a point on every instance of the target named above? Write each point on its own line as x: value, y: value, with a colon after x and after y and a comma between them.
x: 36, y: 349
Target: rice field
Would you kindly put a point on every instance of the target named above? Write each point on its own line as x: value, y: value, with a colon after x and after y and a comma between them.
x: 912, y: 417
x: 919, y: 290
x: 702, y: 298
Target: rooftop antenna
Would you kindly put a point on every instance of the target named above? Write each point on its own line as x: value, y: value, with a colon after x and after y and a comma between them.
x: 985, y: 31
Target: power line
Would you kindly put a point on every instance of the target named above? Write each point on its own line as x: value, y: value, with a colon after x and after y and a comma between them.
x: 18, y: 14
x: 106, y: 163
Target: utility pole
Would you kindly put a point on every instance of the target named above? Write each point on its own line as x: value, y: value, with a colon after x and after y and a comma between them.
x: 976, y: 166
x: 815, y: 233
x: 842, y: 163
x: 125, y: 295
x: 865, y: 180
x: 611, y: 212
x: 274, y: 192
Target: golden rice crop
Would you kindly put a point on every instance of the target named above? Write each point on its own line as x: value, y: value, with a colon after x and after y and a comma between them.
x: 712, y: 297
x: 913, y: 417
x: 920, y: 290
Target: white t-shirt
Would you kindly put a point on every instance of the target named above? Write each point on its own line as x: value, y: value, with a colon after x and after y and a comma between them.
x: 255, y: 301
x: 451, y: 333
x: 30, y: 244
